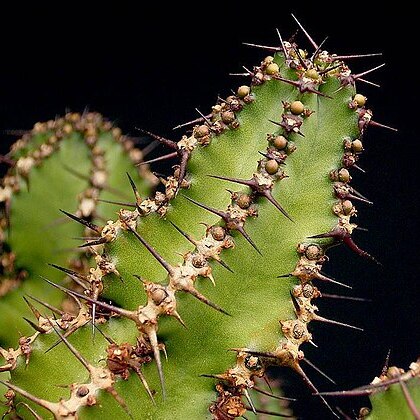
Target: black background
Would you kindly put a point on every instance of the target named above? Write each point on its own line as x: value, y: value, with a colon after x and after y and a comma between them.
x: 151, y: 69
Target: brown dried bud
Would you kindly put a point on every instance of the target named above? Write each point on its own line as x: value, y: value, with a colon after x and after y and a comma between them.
x: 218, y: 233
x: 201, y: 131
x: 272, y: 68
x: 280, y: 142
x: 313, y: 252
x: 82, y: 391
x: 297, y: 107
x: 243, y: 91
x: 271, y: 166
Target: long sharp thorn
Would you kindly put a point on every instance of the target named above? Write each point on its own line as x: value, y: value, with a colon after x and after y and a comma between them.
x: 134, y: 188
x: 328, y: 69
x: 184, y: 234
x: 47, y: 305
x: 314, y: 44
x: 283, y: 276
x: 242, y: 231
x: 318, y: 370
x: 248, y: 71
x: 316, y: 52
x: 295, y: 302
x: 347, y: 240
x: 194, y: 292
x: 248, y: 397
x: 302, y: 63
x: 158, y: 257
x: 93, y: 321
x: 145, y: 384
x: 290, y: 82
x: 268, y: 383
x: 84, y: 222
x: 268, y: 413
x: 117, y: 203
x: 312, y: 343
x: 286, y: 54
x: 176, y: 315
x: 341, y: 324
x: 120, y: 400
x: 204, y: 117
x: 195, y: 121
x: 313, y: 388
x: 368, y: 82
x: 156, y: 352
x: 358, y: 194
x: 185, y: 155
x: 277, y: 397
x: 34, y: 326
x: 410, y: 402
x: 169, y: 143
x: 99, y: 241
x: 30, y: 409
x: 382, y: 384
x: 68, y: 292
x: 354, y: 393
x: 359, y: 169
x: 236, y: 180
x: 376, y: 124
x: 223, y: 264
x: 239, y: 74
x: 69, y: 272
x: 357, y: 76
x: 269, y: 196
x: 343, y: 414
x: 119, y: 311
x: 203, y: 206
x: 357, y: 299
x: 107, y: 338
x: 42, y: 403
x: 70, y: 346
x: 32, y: 308
x: 264, y: 47
x: 322, y: 277
x: 158, y: 159
x: 347, y: 57
x: 261, y: 354
x: 68, y: 333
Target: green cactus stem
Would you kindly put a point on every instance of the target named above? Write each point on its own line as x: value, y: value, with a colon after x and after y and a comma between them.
x: 216, y: 272
x: 70, y: 162
x: 395, y: 394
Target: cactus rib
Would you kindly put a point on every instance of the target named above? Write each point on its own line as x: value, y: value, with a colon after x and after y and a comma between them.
x: 315, y: 120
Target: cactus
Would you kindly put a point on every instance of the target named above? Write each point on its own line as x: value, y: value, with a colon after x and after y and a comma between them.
x: 68, y: 162
x: 394, y: 394
x: 261, y: 192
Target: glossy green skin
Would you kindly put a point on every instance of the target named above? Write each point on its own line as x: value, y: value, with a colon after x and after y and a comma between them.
x: 40, y: 234
x: 392, y: 404
x: 255, y: 298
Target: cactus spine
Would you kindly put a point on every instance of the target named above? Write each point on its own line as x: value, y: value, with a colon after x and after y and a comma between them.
x: 264, y: 242
x: 71, y: 163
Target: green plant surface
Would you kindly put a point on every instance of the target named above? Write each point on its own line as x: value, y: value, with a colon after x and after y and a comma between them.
x: 392, y: 403
x: 39, y: 234
x: 261, y: 311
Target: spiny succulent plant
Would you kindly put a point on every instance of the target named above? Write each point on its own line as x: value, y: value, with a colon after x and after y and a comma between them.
x: 71, y: 162
x: 261, y: 192
x: 395, y: 394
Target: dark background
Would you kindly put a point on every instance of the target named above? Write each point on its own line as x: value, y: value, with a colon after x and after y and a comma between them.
x: 151, y: 69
